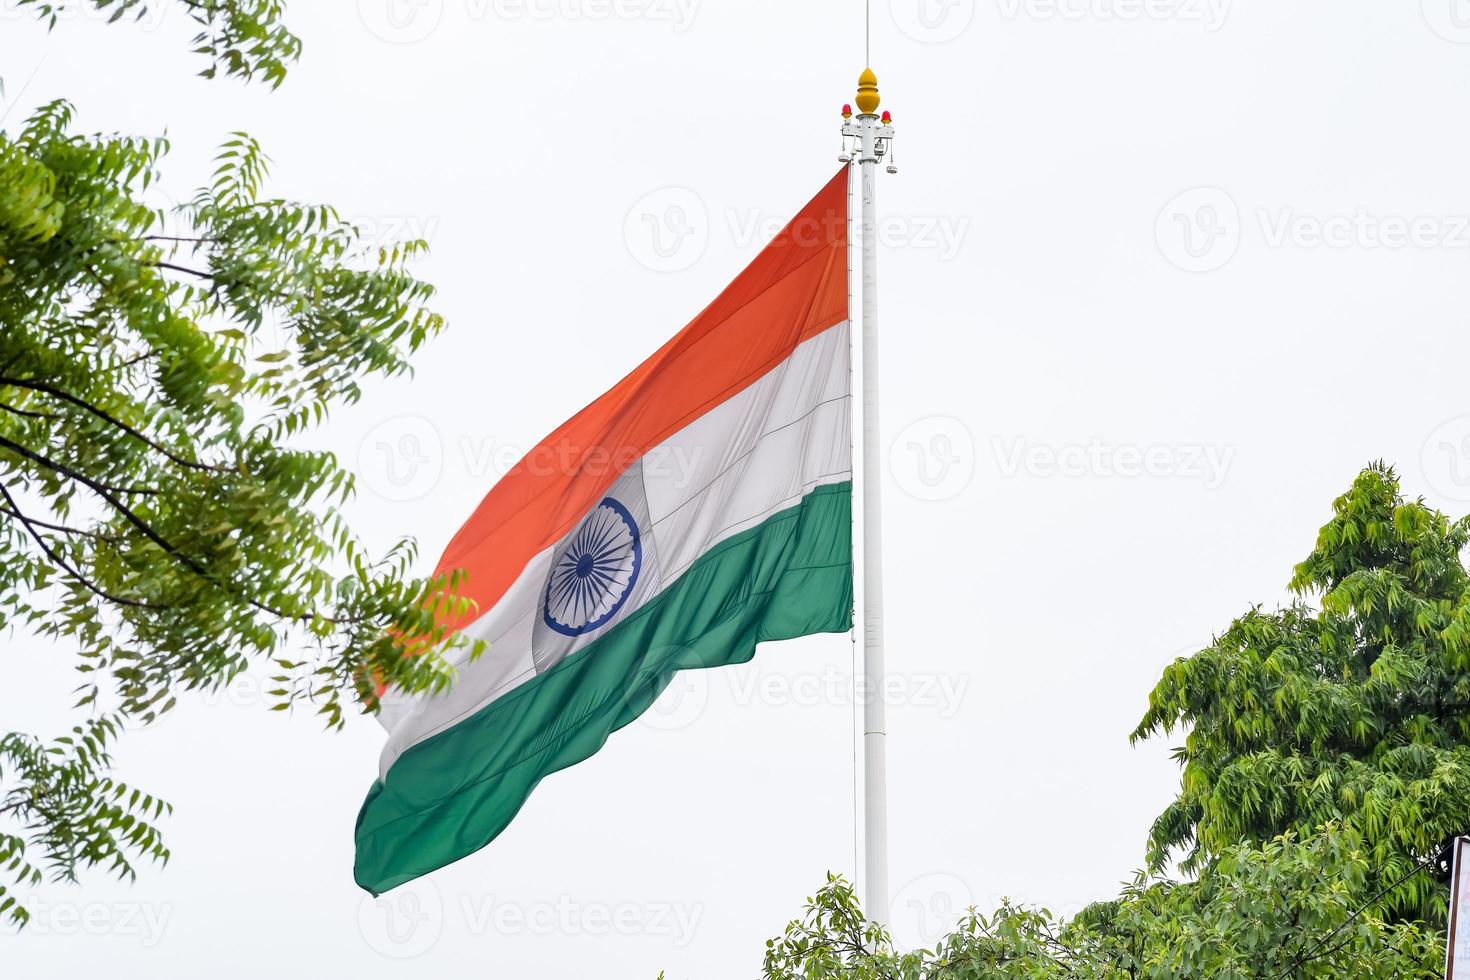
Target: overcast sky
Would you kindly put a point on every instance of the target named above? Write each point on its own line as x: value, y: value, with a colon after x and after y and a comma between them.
x: 1158, y: 278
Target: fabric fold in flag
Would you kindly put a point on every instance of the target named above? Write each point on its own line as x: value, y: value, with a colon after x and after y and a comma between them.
x: 698, y: 508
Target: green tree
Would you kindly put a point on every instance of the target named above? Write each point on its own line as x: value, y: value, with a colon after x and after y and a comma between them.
x: 157, y: 368
x: 1288, y: 908
x: 1354, y: 707
x: 241, y: 38
x: 1324, y: 766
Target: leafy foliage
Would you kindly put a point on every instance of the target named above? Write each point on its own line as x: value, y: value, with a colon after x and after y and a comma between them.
x: 158, y: 367
x: 1289, y: 908
x: 1325, y: 763
x: 1357, y: 710
x: 72, y: 814
x: 243, y: 38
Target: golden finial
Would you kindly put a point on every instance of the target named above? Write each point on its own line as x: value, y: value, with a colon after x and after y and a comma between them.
x: 867, y: 93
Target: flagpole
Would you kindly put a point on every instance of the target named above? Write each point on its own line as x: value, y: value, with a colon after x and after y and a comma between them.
x: 873, y: 137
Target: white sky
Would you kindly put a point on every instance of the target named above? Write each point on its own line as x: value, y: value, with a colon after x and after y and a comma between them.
x: 1041, y: 304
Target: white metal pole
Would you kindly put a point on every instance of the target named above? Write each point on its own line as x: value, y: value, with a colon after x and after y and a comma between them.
x: 875, y: 726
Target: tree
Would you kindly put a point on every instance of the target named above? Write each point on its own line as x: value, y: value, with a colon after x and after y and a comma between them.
x: 156, y: 370
x: 1356, y: 709
x: 245, y: 39
x: 1325, y: 765
x: 1288, y: 908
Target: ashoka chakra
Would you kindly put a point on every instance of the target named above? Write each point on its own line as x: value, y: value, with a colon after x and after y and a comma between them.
x: 593, y: 575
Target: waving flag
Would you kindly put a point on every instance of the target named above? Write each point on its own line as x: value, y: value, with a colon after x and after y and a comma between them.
x: 701, y: 506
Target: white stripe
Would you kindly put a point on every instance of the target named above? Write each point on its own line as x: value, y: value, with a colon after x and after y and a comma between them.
x: 752, y: 456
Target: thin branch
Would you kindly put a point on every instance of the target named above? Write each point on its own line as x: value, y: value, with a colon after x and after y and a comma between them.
x: 130, y: 362
x: 67, y: 567
x: 107, y: 493
x: 61, y: 528
x: 111, y: 420
x: 138, y: 359
x: 183, y: 269
x: 25, y: 413
x: 56, y: 467
x: 195, y: 239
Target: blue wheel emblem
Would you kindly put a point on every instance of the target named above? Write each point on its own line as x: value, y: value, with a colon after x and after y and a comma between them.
x: 593, y: 577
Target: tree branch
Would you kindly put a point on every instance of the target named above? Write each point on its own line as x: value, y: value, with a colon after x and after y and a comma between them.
x: 107, y: 493
x: 111, y: 420
x: 56, y: 558
x: 184, y: 269
x: 62, y: 528
x: 24, y: 413
x: 195, y: 239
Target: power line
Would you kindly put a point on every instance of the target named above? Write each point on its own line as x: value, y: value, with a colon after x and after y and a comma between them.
x: 1300, y: 960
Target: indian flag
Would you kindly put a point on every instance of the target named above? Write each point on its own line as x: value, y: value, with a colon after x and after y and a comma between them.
x: 700, y: 507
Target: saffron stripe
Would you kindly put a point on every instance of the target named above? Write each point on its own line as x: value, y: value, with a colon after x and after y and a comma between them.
x: 793, y: 290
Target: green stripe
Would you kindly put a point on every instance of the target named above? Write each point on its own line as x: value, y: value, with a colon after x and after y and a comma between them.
x: 451, y: 794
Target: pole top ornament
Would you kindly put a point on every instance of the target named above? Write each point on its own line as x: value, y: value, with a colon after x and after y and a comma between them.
x: 867, y: 93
